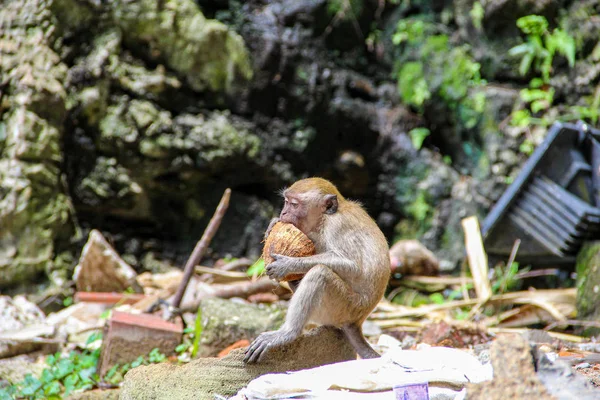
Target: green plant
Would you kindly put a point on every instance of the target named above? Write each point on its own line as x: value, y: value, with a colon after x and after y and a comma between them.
x: 429, y: 66
x: 477, y: 13
x: 506, y: 278
x: 538, y: 97
x: 417, y: 136
x: 62, y: 376
x: 197, y: 332
x: 345, y: 9
x: 419, y: 208
x: 412, y: 85
x: 589, y: 113
x: 541, y: 45
x: 258, y: 268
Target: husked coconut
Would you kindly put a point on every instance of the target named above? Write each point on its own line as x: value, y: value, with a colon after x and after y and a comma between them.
x: 289, y: 241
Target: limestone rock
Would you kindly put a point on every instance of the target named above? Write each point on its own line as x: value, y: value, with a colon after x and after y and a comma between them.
x: 205, y: 377
x: 101, y: 269
x: 224, y: 322
x: 514, y: 373
x: 588, y: 284
x: 178, y: 33
x: 16, y: 314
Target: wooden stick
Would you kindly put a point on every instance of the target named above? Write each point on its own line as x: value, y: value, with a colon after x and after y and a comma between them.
x: 246, y: 289
x: 240, y: 289
x: 201, y: 246
x: 478, y: 262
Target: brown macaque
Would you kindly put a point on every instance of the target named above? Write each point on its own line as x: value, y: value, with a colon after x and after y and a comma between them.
x: 343, y: 281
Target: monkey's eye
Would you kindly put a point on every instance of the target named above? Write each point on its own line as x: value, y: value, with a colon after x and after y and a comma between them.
x: 294, y: 205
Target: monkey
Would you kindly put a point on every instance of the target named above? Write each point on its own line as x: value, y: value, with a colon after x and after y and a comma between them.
x: 343, y: 281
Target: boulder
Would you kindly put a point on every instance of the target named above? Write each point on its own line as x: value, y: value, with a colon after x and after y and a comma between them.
x: 101, y: 269
x: 224, y: 322
x: 206, y: 377
x: 588, y: 285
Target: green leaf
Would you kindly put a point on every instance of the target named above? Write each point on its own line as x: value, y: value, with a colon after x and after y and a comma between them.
x: 412, y: 84
x: 197, y: 332
x: 30, y: 385
x: 417, y: 136
x: 86, y: 374
x: 63, y: 368
x: 525, y: 64
x: 437, y: 298
x: 93, y: 337
x: 68, y: 301
x: 155, y: 356
x: 258, y: 268
x: 47, y: 376
x: 477, y: 13
x: 181, y: 348
x: 138, y: 361
x: 52, y: 388
x: 111, y: 372
x: 521, y: 49
x: 70, y: 383
x: 51, y: 359
x: 533, y: 24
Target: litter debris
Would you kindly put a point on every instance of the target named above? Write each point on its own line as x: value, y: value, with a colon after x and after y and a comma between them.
x: 553, y: 205
x: 447, y: 371
x: 130, y: 335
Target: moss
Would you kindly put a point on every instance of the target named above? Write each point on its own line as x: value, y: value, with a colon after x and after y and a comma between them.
x: 588, y: 282
x: 34, y: 213
x: 204, y: 51
x: 109, y: 181
x: 34, y: 210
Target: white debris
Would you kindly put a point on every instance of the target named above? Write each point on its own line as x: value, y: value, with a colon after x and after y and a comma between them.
x: 446, y: 370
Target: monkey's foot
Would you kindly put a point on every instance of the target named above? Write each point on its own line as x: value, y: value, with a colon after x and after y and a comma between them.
x: 265, y: 341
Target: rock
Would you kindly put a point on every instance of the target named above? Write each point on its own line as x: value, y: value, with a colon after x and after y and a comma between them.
x: 14, y: 369
x: 16, y: 314
x: 562, y: 383
x: 205, y: 377
x: 514, y: 373
x: 101, y: 269
x: 189, y: 48
x: 35, y: 213
x: 588, y: 285
x: 96, y: 394
x: 410, y: 257
x: 225, y: 322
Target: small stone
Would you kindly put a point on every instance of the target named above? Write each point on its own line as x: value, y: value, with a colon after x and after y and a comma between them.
x: 583, y: 365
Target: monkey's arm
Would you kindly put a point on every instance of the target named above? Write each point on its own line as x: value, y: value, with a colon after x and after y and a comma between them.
x: 284, y: 265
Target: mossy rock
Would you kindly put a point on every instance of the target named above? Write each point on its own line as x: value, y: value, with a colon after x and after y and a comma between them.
x: 588, y: 284
x: 224, y: 322
x: 204, y: 51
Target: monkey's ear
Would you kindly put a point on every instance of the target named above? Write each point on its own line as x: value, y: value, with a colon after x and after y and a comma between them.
x: 330, y: 204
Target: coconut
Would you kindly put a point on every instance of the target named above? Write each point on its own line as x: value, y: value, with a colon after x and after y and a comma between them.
x: 287, y: 240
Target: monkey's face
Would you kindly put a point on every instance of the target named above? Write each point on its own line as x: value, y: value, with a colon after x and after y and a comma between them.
x: 300, y: 212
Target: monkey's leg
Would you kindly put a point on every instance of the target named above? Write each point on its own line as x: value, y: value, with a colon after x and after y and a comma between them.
x: 354, y: 334
x: 319, y: 282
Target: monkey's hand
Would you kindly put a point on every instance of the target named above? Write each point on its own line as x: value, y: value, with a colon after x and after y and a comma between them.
x: 271, y: 224
x: 265, y: 341
x: 283, y: 266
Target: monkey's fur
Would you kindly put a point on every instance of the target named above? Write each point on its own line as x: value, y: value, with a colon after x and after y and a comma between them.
x: 344, y: 281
